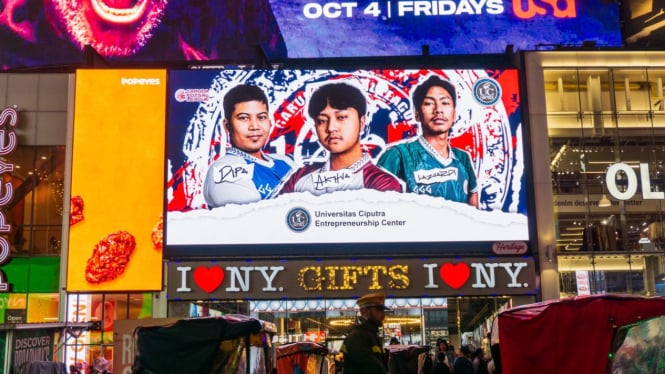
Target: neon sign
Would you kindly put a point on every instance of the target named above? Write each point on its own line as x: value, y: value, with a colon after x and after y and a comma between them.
x: 8, y: 117
x: 350, y: 278
x: 533, y: 9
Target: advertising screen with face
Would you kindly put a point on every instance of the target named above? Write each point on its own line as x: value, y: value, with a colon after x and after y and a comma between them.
x: 301, y: 157
x: 55, y: 32
x: 117, y: 172
x: 402, y: 27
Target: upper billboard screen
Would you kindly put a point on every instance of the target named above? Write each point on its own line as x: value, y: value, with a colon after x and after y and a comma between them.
x: 54, y: 32
x: 328, y: 156
x: 644, y: 23
x: 400, y: 27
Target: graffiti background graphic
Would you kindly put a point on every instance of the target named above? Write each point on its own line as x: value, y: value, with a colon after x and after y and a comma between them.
x: 490, y: 134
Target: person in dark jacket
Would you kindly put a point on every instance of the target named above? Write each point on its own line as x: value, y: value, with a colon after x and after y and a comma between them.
x: 440, y: 366
x: 363, y: 347
x: 463, y: 364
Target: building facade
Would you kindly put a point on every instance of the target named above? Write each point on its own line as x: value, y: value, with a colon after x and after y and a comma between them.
x: 590, y: 125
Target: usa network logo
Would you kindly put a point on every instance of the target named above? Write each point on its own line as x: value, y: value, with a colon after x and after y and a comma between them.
x: 140, y: 81
x: 527, y: 9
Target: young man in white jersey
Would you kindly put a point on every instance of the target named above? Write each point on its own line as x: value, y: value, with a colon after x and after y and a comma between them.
x: 245, y: 173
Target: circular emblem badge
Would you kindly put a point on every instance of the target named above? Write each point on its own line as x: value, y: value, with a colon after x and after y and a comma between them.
x: 486, y: 91
x: 298, y: 219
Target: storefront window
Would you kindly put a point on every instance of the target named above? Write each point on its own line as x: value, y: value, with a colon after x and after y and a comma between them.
x: 607, y: 146
x: 106, y: 308
x: 35, y: 212
x: 419, y: 321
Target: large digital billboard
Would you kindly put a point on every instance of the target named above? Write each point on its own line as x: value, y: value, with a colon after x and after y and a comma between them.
x: 300, y: 157
x: 402, y: 27
x: 55, y: 32
x: 117, y: 176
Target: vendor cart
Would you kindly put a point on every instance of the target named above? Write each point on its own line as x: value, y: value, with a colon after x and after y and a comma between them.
x: 303, y: 358
x: 229, y: 344
x: 585, y: 334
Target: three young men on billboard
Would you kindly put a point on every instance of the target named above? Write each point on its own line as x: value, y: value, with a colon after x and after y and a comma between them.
x: 426, y: 165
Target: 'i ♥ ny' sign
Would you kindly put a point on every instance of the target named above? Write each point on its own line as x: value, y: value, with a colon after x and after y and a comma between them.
x: 455, y: 275
x: 349, y: 278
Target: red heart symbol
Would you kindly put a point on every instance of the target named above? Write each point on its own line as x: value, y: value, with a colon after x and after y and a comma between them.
x: 455, y: 275
x: 208, y: 279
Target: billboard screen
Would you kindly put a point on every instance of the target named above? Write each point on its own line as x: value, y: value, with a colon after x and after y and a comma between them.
x: 301, y: 157
x: 54, y: 32
x: 644, y: 24
x: 117, y: 175
x: 400, y: 27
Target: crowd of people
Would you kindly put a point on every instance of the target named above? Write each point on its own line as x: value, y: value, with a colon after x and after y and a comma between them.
x: 468, y: 360
x: 99, y: 366
x: 363, y: 350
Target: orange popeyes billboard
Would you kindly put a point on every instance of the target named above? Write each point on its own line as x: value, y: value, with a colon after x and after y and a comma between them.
x: 117, y: 181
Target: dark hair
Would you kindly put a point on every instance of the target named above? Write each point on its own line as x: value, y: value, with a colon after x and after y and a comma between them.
x: 338, y: 96
x: 241, y: 94
x: 433, y: 81
x: 465, y: 350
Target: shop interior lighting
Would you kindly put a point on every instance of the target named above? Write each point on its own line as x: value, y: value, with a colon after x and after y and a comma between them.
x: 388, y: 320
x: 604, y: 202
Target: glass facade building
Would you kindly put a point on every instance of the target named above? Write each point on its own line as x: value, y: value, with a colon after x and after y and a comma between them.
x: 596, y: 124
x: 601, y: 116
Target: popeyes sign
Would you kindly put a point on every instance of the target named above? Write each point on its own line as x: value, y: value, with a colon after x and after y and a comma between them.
x: 8, y: 142
x: 349, y: 278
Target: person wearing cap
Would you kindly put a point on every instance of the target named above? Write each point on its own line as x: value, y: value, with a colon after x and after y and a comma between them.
x: 363, y: 347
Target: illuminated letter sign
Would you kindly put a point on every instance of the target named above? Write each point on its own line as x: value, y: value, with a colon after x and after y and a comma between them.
x: 8, y: 116
x: 631, y: 182
x: 347, y: 279
x: 533, y: 9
